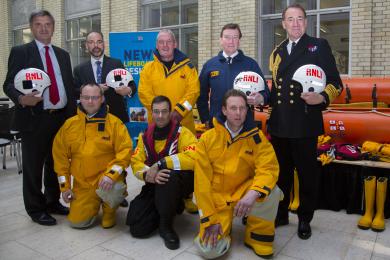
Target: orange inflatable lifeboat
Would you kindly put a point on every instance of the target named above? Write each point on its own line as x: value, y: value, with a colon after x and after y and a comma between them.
x: 360, y: 90
x: 350, y: 125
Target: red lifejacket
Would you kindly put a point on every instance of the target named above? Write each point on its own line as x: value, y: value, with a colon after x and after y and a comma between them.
x: 171, y: 144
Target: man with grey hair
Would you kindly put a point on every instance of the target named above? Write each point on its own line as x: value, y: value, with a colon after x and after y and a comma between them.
x: 171, y: 74
x: 39, y: 118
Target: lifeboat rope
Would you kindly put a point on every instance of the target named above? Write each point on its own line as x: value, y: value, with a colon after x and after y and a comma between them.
x: 357, y: 112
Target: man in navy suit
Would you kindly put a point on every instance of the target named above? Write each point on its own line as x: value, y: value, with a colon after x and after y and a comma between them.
x: 39, y: 118
x: 95, y: 70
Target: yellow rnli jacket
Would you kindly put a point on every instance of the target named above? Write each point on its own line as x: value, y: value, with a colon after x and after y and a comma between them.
x: 88, y: 148
x: 226, y: 168
x: 180, y: 84
x: 182, y: 160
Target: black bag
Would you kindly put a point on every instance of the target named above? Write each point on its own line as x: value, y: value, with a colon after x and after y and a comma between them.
x: 142, y: 216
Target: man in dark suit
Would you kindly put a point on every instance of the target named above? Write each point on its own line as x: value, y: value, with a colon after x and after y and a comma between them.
x: 39, y: 118
x: 296, y: 117
x: 96, y: 70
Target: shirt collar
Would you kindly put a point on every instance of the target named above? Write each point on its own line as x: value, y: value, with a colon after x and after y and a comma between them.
x: 41, y: 46
x: 231, y: 56
x: 296, y: 41
x: 233, y: 134
x: 94, y: 60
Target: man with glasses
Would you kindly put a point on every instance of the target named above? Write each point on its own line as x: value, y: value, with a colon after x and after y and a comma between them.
x: 219, y: 72
x: 95, y: 148
x: 163, y: 159
x: 296, y: 118
x: 96, y: 70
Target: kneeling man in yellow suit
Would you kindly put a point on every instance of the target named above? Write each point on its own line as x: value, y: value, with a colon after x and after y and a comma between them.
x: 95, y: 148
x: 235, y: 175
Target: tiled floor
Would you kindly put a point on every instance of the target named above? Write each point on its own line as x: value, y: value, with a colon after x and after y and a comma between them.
x: 335, y: 235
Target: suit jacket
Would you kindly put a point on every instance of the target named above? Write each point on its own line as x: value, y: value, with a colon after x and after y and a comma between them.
x: 290, y: 116
x: 83, y: 73
x: 27, y: 56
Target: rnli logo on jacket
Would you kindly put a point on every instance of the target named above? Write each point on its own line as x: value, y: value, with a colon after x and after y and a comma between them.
x: 312, y: 48
x: 214, y: 73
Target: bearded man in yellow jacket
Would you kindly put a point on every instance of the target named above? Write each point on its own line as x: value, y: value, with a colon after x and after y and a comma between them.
x: 235, y: 175
x: 95, y: 148
x: 164, y: 160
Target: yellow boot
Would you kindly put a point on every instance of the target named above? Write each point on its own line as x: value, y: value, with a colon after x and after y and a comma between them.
x: 259, y: 235
x: 109, y: 216
x: 190, y: 206
x: 369, y: 197
x: 378, y: 224
x: 295, y: 201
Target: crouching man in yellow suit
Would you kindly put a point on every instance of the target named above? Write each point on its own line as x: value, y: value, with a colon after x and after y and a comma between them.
x: 95, y: 148
x: 235, y: 175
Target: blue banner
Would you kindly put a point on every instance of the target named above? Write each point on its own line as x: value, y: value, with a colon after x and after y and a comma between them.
x: 134, y: 49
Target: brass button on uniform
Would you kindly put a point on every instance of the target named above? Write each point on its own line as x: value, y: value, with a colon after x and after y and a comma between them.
x: 291, y: 93
x: 279, y: 94
x: 291, y: 86
x: 279, y: 102
x: 279, y: 87
x: 280, y: 79
x: 291, y: 101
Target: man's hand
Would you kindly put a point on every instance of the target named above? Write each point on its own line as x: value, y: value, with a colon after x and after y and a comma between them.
x: 104, y: 86
x: 255, y: 99
x: 210, y: 235
x: 313, y: 98
x: 162, y: 176
x: 123, y: 91
x: 67, y: 196
x: 244, y: 206
x: 29, y: 99
x: 176, y: 116
x: 151, y: 174
x: 106, y: 183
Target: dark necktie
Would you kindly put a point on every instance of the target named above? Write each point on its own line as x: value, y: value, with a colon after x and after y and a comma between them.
x: 229, y: 60
x: 293, y: 44
x: 98, y: 72
x: 54, y: 96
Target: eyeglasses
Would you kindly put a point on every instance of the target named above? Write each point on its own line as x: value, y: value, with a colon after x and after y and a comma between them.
x: 95, y: 43
x: 298, y: 19
x: 87, y: 98
x: 162, y: 111
x: 231, y: 37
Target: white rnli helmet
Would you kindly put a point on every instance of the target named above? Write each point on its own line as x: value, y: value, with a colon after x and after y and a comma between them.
x: 249, y: 82
x: 118, y: 77
x: 311, y: 77
x: 31, y: 80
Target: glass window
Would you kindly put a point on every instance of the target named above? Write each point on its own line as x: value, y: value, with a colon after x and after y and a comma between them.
x: 170, y: 13
x: 77, y: 7
x: 189, y: 12
x: 77, y: 29
x: 335, y: 28
x: 272, y: 7
x: 334, y: 3
x: 22, y: 36
x: 151, y: 16
x: 180, y: 16
x: 20, y: 11
x: 307, y: 4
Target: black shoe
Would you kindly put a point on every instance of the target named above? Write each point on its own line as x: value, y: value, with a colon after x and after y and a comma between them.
x: 244, y: 220
x: 58, y: 209
x: 281, y: 222
x: 44, y: 219
x: 304, y: 230
x: 124, y: 203
x: 171, y: 239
